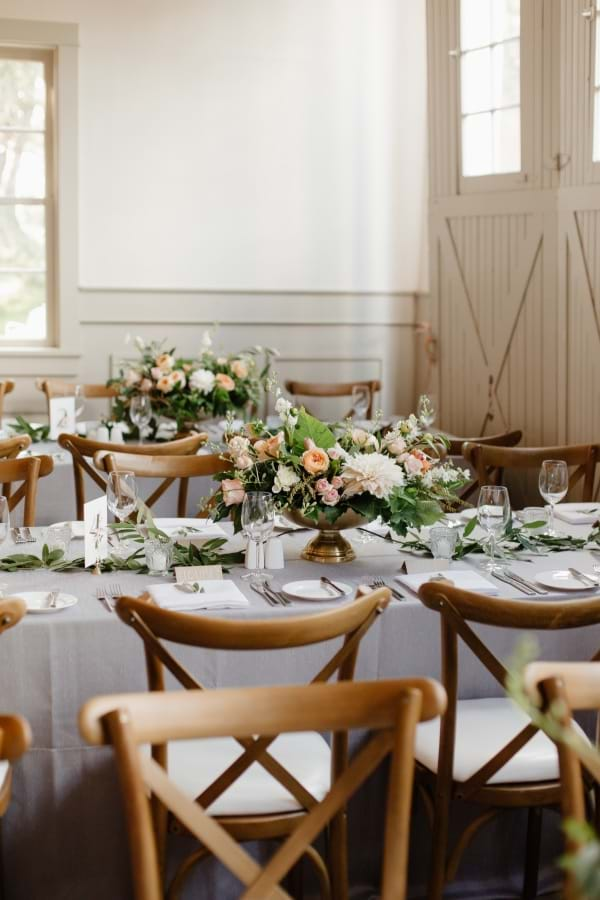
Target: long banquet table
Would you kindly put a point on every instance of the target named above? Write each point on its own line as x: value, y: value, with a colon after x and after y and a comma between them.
x: 64, y: 834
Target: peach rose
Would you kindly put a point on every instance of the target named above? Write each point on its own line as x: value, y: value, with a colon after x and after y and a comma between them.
x: 165, y: 384
x: 177, y: 378
x: 146, y: 385
x: 233, y: 491
x: 269, y: 448
x: 315, y: 461
x: 164, y: 362
x: 243, y: 461
x: 239, y: 368
x: 225, y: 381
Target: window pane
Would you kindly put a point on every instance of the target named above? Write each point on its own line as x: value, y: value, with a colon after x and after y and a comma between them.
x: 475, y: 23
x: 22, y: 93
x: 597, y: 65
x: 597, y: 126
x: 506, y: 19
x: 506, y: 67
x: 476, y: 81
x: 507, y: 140
x: 477, y: 156
x: 22, y: 165
x: 22, y: 237
x: 22, y: 306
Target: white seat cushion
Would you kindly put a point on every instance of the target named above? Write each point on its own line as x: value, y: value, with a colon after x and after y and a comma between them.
x: 194, y: 765
x: 483, y: 727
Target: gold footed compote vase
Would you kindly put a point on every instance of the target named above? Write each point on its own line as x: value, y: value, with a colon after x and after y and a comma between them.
x: 329, y: 546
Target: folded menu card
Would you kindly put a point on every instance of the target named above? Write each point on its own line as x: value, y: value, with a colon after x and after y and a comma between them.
x: 62, y: 416
x: 95, y: 516
x: 578, y: 513
x: 465, y: 579
x: 217, y: 594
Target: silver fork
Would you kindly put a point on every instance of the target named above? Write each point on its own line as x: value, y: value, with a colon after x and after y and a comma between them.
x: 23, y: 536
x: 101, y: 595
x: 379, y: 582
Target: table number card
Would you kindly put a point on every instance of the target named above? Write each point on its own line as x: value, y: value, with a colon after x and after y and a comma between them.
x: 62, y: 416
x: 95, y: 517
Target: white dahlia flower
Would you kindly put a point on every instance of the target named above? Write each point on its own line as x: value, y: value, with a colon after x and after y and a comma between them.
x: 202, y: 380
x: 371, y: 473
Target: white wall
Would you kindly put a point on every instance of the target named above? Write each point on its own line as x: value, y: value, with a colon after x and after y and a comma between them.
x: 270, y: 147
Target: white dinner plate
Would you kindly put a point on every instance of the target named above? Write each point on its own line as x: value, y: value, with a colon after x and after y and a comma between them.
x: 562, y: 580
x: 36, y: 601
x: 314, y: 590
x: 77, y: 528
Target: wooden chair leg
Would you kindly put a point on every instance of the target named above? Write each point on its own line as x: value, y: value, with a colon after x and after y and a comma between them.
x: 338, y: 856
x: 439, y: 846
x: 532, y: 852
x: 295, y: 880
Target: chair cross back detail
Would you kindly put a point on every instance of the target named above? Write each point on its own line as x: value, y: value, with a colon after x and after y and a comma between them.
x: 390, y: 710
x: 456, y: 608
x: 82, y: 450
x: 490, y: 462
x: 333, y: 389
x: 256, y: 748
x: 27, y: 470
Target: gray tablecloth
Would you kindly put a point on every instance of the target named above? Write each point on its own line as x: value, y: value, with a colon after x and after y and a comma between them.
x: 64, y: 834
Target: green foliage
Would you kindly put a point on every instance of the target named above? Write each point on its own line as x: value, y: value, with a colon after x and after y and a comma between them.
x: 311, y: 428
x: 35, y: 432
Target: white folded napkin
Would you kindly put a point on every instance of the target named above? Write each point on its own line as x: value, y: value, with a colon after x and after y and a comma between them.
x: 194, y: 528
x: 219, y: 594
x: 578, y: 513
x: 465, y: 579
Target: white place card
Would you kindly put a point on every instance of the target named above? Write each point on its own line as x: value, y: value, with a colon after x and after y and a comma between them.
x: 62, y: 416
x: 95, y: 518
x: 185, y: 574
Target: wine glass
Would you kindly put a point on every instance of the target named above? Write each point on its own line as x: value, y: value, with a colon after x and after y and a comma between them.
x: 140, y: 412
x: 553, y: 485
x: 493, y: 515
x: 121, y: 494
x: 258, y: 521
x: 361, y: 400
x: 4, y: 519
x: 425, y: 410
x: 79, y: 400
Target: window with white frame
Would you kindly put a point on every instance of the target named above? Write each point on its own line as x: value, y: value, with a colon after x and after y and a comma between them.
x: 596, y: 148
x: 26, y: 196
x: 490, y: 80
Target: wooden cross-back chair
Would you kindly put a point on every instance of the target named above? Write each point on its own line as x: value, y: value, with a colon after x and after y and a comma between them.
x: 11, y: 447
x: 83, y: 450
x: 27, y: 470
x: 455, y: 448
x: 563, y: 688
x: 56, y: 387
x: 333, y: 389
x: 169, y: 468
x: 299, y: 767
x: 6, y: 387
x: 489, y: 462
x: 389, y: 709
x: 487, y: 751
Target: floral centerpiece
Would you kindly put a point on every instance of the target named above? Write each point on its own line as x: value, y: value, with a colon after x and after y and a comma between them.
x: 187, y: 390
x: 331, y: 481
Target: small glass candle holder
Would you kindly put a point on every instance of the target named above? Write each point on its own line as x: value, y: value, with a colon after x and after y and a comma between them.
x: 58, y: 537
x: 535, y: 514
x: 442, y: 541
x: 159, y: 555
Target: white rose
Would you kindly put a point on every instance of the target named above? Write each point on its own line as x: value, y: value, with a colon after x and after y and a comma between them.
x: 364, y: 439
x: 285, y: 479
x: 202, y: 380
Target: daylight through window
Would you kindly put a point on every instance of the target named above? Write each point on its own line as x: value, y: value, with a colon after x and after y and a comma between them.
x: 490, y: 65
x: 26, y: 214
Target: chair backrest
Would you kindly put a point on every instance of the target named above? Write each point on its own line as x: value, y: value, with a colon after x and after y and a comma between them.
x: 389, y: 709
x: 458, y: 608
x: 333, y: 389
x: 11, y: 447
x: 490, y: 462
x: 154, y: 625
x: 562, y: 688
x: 6, y: 387
x: 28, y: 471
x: 56, y: 387
x: 505, y: 439
x: 169, y: 468
x: 83, y: 450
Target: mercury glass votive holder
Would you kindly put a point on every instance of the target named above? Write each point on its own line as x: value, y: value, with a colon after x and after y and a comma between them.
x: 58, y: 537
x: 535, y: 514
x: 442, y: 541
x: 159, y: 555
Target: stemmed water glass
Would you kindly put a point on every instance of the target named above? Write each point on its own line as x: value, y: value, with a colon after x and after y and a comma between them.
x: 493, y: 515
x: 425, y: 410
x: 258, y: 521
x: 553, y: 485
x: 361, y: 400
x: 121, y: 494
x: 140, y: 412
x: 79, y: 400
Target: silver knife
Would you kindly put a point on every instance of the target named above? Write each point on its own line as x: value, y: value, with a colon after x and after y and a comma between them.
x: 587, y: 580
x: 521, y: 580
x: 514, y: 584
x: 261, y: 593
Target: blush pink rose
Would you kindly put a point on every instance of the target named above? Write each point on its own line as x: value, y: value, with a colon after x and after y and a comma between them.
x: 233, y: 491
x: 225, y: 381
x: 331, y: 497
x: 322, y: 486
x: 243, y: 461
x: 309, y: 444
x: 334, y: 453
x: 315, y: 461
x: 337, y: 482
x: 146, y: 385
x: 156, y: 372
x: 132, y: 378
